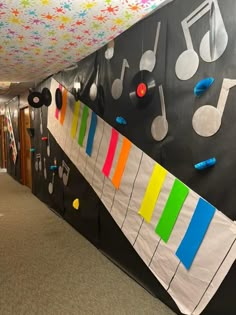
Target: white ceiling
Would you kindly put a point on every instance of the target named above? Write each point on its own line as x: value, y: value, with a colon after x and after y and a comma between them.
x: 42, y: 37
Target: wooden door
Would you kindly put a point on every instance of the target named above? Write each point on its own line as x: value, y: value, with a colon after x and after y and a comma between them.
x: 25, y: 142
x: 3, y: 140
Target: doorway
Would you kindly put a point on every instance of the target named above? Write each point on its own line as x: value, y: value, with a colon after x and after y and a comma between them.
x: 25, y: 142
x: 3, y: 143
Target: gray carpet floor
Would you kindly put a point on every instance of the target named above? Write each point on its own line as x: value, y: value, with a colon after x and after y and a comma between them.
x: 46, y: 267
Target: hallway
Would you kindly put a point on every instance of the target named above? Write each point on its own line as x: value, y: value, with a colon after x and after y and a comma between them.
x: 46, y: 267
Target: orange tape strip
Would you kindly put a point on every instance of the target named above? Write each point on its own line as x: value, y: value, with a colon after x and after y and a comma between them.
x: 64, y: 106
x: 120, y: 167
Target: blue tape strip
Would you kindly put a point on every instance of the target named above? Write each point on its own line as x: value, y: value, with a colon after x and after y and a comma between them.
x: 196, y: 231
x: 92, y: 129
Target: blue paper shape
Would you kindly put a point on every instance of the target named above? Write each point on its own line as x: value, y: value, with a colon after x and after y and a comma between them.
x: 92, y: 129
x: 195, y: 233
x: 53, y: 167
x: 205, y: 164
x: 202, y: 86
x: 121, y: 120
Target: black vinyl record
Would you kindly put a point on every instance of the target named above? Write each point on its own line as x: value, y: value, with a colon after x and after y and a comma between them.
x: 35, y: 99
x: 47, y: 97
x: 142, y: 89
x: 58, y: 98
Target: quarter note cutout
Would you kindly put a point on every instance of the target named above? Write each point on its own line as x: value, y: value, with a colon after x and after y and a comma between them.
x: 32, y: 113
x: 207, y: 119
x: 148, y: 59
x: 41, y: 120
x: 213, y: 43
x: 51, y: 185
x: 159, y: 128
x: 48, y: 146
x: 44, y: 168
x: 38, y: 162
x: 109, y: 53
x: 117, y: 86
x: 94, y: 87
x: 63, y: 172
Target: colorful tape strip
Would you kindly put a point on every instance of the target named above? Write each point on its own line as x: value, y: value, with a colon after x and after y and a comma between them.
x: 152, y: 192
x: 110, y: 153
x: 120, y: 167
x: 64, y: 106
x: 83, y: 125
x: 178, y: 194
x: 57, y: 110
x: 92, y: 130
x: 195, y: 233
x: 75, y: 119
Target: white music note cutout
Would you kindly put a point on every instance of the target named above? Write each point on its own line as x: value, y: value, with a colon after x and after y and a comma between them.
x: 213, y: 43
x: 63, y: 172
x: 159, y: 128
x: 51, y: 185
x: 48, y: 146
x: 41, y: 120
x: 38, y: 162
x: 207, y: 119
x: 32, y: 113
x: 148, y: 59
x: 117, y: 86
x: 94, y: 87
x: 44, y: 168
x: 109, y: 53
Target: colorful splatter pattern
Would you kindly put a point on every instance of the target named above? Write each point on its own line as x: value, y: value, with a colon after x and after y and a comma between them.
x: 41, y: 37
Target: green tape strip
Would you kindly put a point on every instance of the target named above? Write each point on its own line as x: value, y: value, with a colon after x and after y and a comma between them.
x: 83, y: 125
x: 178, y: 194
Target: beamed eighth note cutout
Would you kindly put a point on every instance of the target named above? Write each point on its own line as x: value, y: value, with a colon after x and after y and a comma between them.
x: 117, y: 85
x: 148, y: 59
x: 213, y: 43
x: 63, y: 172
x: 159, y: 128
x: 207, y: 119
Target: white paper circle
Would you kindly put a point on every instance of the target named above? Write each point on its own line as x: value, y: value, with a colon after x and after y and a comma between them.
x: 159, y: 128
x: 206, y: 121
x: 187, y: 64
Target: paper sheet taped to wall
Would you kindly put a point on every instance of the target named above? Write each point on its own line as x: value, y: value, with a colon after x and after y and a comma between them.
x: 192, y: 288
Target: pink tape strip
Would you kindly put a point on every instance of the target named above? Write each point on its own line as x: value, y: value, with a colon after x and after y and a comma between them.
x: 111, y: 152
x: 57, y: 110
